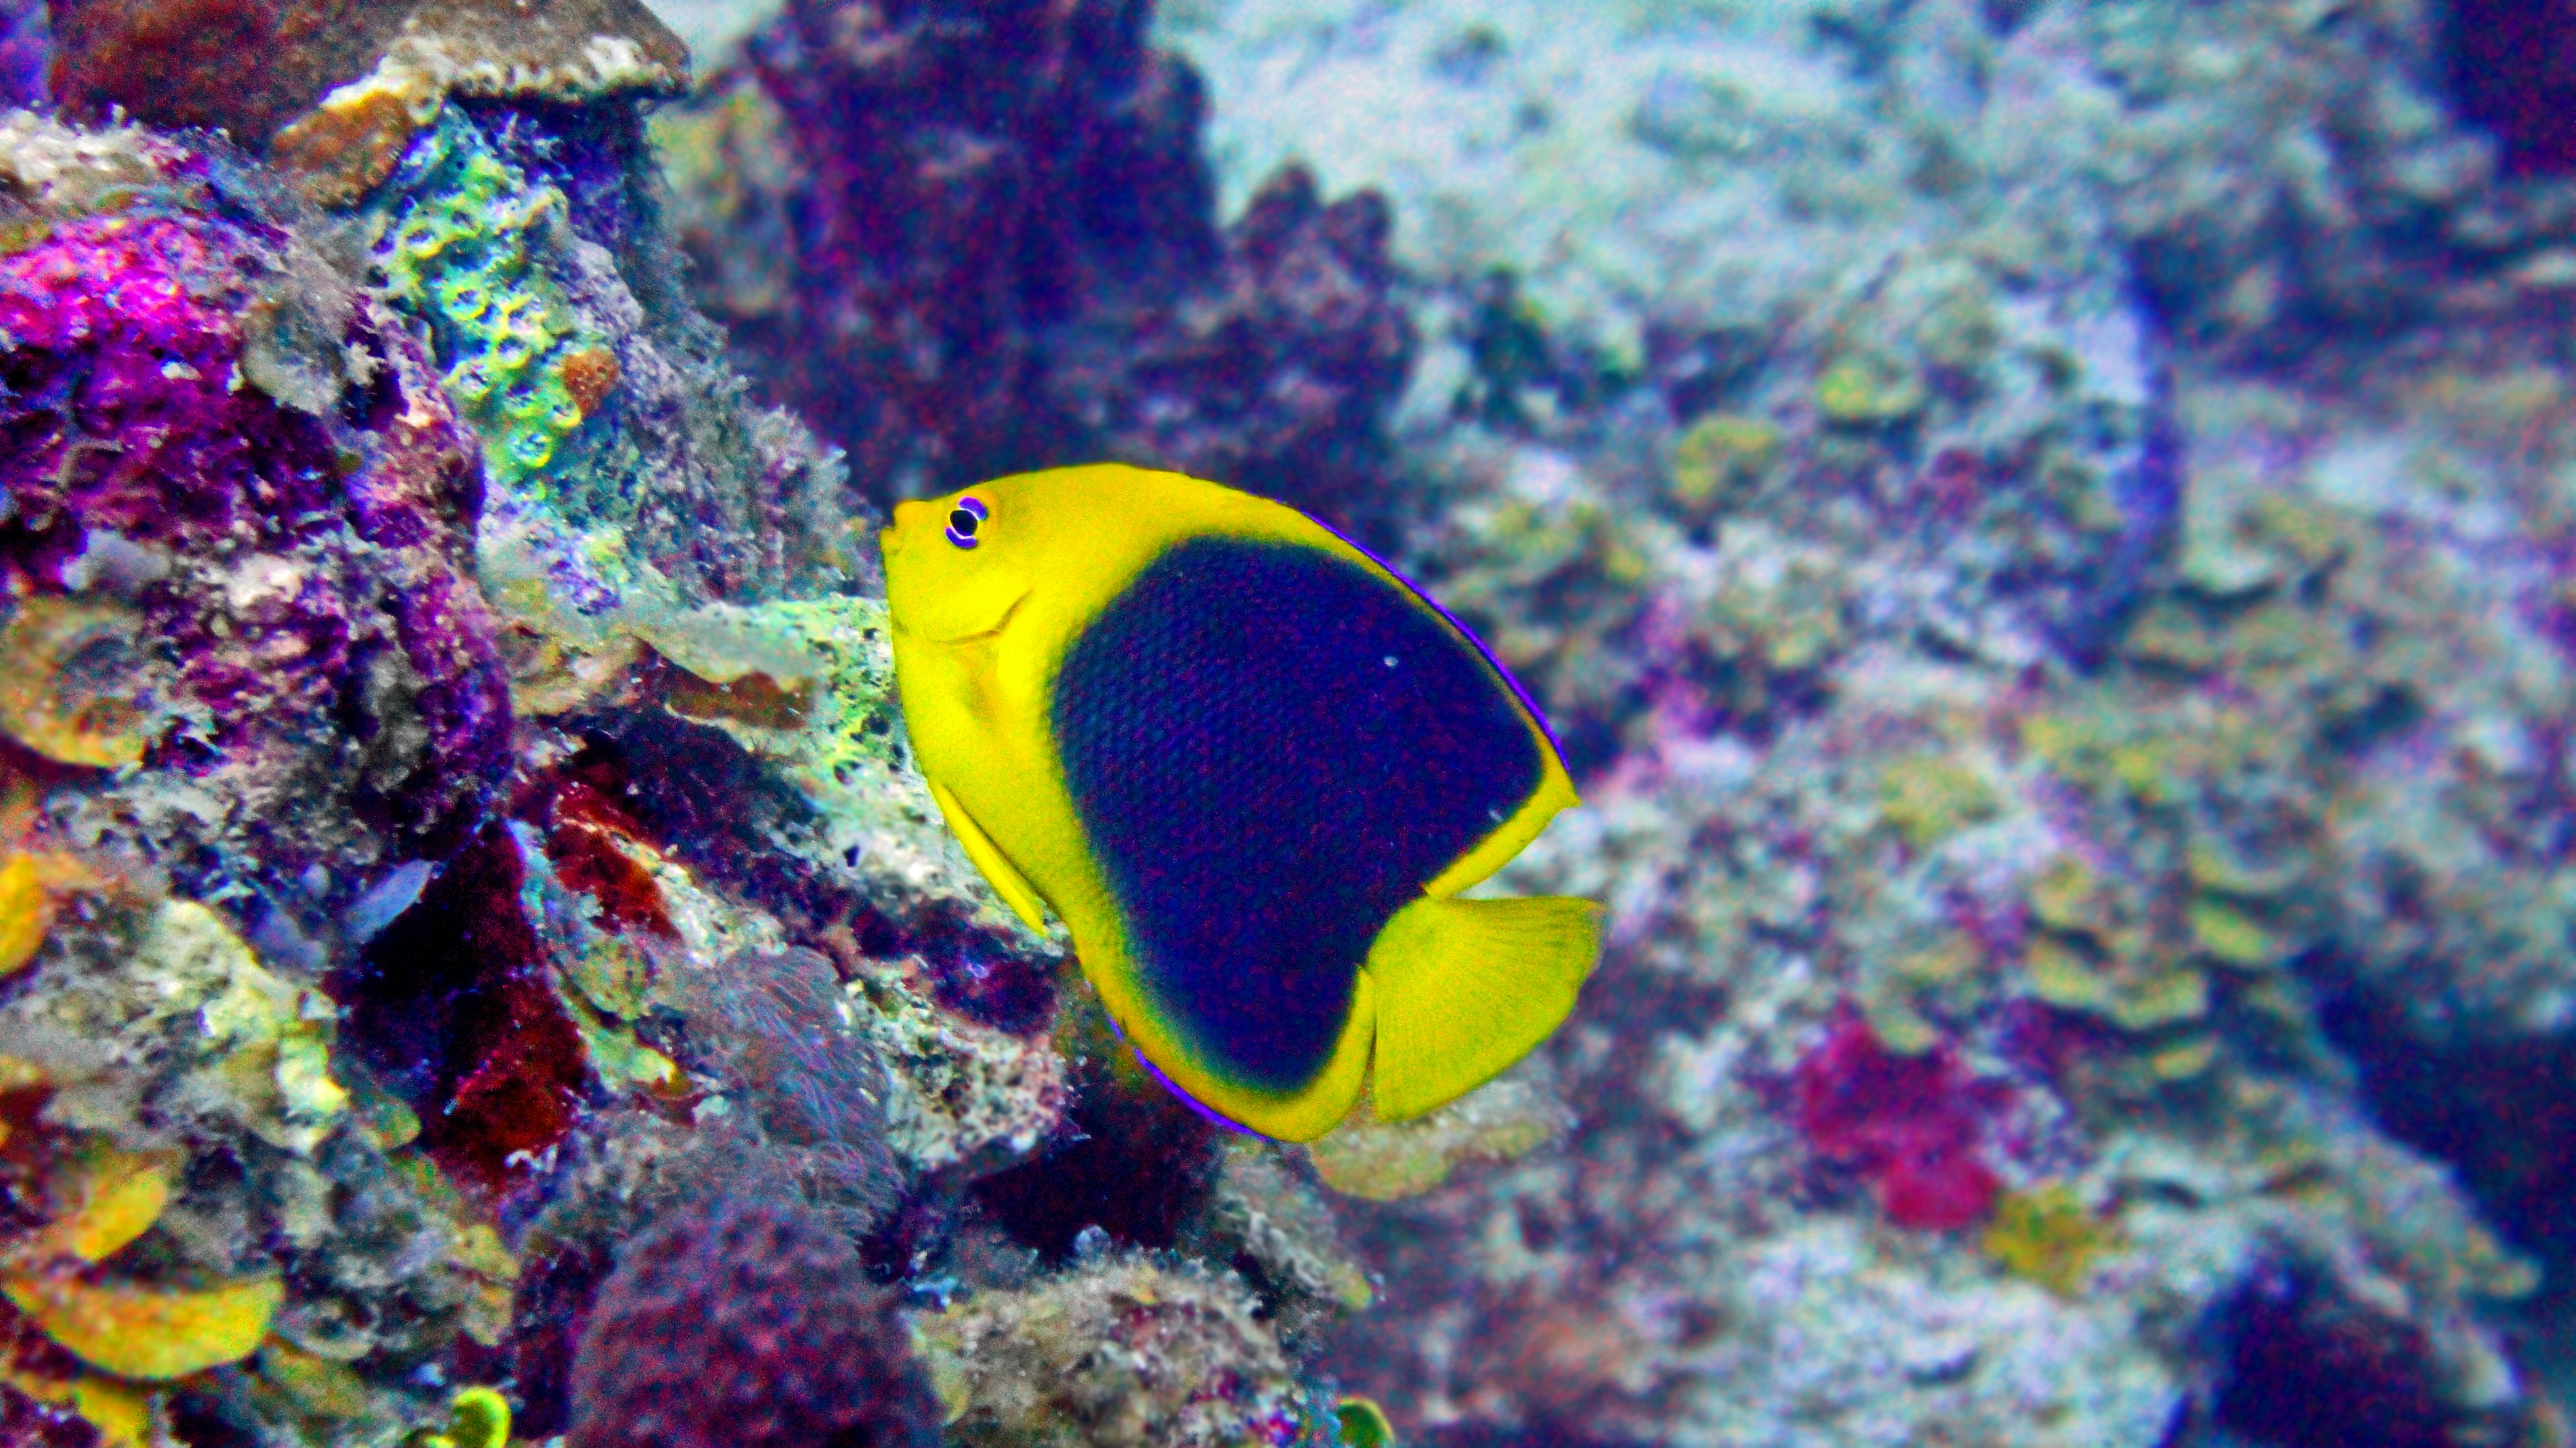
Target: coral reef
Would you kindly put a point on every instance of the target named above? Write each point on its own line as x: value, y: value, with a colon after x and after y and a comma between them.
x: 1001, y: 253
x: 1911, y: 1126
x: 343, y: 84
x: 148, y: 1038
x: 2043, y: 528
x: 25, y: 33
x: 750, y: 1324
x: 456, y: 252
x: 268, y: 588
x: 624, y: 469
x: 1119, y: 1351
x: 2042, y: 744
x: 1382, y: 1161
x: 355, y: 1015
x: 1280, y: 1233
x: 2309, y: 1367
x: 2506, y: 69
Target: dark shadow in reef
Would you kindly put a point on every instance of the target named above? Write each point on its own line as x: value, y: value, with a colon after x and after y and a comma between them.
x: 451, y: 1009
x: 2304, y: 1366
x: 715, y: 807
x: 1134, y: 1160
x: 2511, y: 67
x: 2502, y: 1113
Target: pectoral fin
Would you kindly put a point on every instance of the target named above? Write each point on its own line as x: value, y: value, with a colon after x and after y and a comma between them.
x: 1006, y: 879
x: 1467, y: 987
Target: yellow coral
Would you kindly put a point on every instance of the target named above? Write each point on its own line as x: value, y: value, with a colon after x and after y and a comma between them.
x: 29, y: 885
x: 1719, y: 455
x: 2068, y: 896
x: 68, y: 682
x: 476, y: 1418
x: 120, y: 1412
x: 1931, y: 799
x: 273, y: 1033
x: 120, y: 1328
x: 145, y: 1333
x: 1361, y: 1423
x: 317, y: 1386
x: 1863, y: 391
x: 117, y: 1197
x: 25, y: 914
x: 2231, y: 937
x: 2048, y: 1236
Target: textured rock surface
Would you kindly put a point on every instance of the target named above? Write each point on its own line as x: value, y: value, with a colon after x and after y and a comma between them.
x: 747, y: 1324
x: 2044, y: 528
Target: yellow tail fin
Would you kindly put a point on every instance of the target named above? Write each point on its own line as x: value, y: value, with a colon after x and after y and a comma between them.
x: 1466, y: 987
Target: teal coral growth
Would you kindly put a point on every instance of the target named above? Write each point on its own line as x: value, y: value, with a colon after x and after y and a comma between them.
x: 456, y: 250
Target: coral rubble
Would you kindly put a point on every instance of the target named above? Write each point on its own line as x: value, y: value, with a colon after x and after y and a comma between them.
x: 1119, y: 1351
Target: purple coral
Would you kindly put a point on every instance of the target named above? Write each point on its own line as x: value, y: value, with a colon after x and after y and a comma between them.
x: 309, y: 573
x: 748, y: 1324
x: 1006, y: 256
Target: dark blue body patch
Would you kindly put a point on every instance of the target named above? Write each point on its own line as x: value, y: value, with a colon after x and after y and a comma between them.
x: 1272, y: 750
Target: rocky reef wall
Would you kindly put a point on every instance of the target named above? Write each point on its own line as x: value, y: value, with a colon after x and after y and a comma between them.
x: 2043, y: 529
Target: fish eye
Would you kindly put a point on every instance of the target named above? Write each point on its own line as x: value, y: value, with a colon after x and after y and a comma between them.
x: 965, y: 518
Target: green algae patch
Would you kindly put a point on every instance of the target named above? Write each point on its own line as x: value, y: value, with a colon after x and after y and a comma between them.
x: 460, y: 250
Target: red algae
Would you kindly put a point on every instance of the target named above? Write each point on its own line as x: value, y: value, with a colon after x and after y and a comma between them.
x: 454, y: 1006
x: 1912, y: 1126
x: 586, y: 845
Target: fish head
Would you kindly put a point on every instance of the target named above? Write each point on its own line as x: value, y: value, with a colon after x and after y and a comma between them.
x: 957, y: 566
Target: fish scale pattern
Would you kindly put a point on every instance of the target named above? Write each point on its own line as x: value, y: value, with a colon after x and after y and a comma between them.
x: 1273, y: 750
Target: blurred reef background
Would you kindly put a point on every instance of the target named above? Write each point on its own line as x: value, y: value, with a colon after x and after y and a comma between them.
x: 2047, y: 527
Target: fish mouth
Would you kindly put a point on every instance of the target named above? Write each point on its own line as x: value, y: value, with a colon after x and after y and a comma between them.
x: 980, y: 635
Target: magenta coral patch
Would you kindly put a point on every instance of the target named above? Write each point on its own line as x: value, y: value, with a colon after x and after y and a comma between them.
x: 1913, y: 1127
x: 323, y: 564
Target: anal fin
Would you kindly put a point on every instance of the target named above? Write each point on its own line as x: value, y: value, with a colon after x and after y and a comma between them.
x: 1467, y: 987
x: 1007, y: 881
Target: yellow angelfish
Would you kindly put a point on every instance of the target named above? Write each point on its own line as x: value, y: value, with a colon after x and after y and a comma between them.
x: 1249, y: 767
